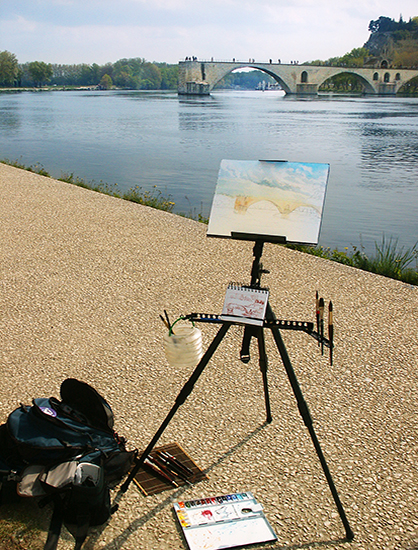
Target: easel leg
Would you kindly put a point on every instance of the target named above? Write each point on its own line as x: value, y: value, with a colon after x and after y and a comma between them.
x: 304, y: 411
x: 263, y: 368
x: 181, y: 398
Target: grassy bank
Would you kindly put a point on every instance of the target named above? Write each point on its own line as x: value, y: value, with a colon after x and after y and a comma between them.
x: 153, y: 198
x: 389, y: 259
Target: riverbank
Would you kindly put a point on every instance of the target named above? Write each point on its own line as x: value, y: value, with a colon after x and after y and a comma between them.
x: 84, y: 279
x: 55, y: 89
x: 389, y: 260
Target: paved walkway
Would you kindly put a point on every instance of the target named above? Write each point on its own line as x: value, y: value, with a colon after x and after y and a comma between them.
x: 83, y: 280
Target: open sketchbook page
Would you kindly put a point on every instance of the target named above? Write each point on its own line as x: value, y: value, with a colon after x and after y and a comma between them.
x: 245, y: 305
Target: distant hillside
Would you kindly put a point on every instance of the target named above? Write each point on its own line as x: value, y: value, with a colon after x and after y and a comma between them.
x: 395, y: 42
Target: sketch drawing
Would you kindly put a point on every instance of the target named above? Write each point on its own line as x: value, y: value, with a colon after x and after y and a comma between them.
x: 269, y: 198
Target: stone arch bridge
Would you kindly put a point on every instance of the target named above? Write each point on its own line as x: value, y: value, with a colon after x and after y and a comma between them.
x: 200, y: 77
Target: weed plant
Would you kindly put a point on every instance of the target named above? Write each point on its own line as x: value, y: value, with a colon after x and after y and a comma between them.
x: 37, y: 168
x: 153, y: 198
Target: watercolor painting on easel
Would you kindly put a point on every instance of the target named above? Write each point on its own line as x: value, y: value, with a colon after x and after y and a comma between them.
x: 276, y: 198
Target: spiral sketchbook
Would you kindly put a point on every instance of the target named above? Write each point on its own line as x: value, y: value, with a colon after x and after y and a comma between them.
x: 245, y: 304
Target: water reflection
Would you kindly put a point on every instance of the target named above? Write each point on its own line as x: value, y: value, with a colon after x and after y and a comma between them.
x: 10, y: 119
x: 389, y: 155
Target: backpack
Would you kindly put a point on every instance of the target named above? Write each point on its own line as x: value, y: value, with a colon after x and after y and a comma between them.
x: 65, y: 453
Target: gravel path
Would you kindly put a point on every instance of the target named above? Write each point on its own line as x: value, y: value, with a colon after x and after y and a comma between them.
x: 84, y: 278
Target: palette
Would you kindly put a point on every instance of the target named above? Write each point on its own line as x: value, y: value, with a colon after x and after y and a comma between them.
x: 223, y: 522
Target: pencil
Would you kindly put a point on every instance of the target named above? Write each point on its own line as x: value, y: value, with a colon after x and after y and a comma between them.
x: 164, y: 321
x: 168, y: 320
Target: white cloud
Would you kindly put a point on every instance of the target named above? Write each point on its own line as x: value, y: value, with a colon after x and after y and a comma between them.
x: 76, y: 31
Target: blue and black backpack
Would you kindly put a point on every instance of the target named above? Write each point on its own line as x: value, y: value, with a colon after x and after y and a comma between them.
x: 65, y: 453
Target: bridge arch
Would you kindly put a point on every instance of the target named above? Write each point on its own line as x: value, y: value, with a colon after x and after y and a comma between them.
x: 369, y: 88
x: 276, y: 77
x: 413, y: 81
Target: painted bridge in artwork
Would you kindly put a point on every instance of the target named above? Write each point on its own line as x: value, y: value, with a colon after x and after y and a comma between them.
x: 200, y: 77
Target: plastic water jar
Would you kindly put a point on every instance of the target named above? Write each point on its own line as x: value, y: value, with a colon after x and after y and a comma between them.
x: 183, y: 348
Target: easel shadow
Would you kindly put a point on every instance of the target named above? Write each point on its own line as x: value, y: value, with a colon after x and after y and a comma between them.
x: 176, y: 495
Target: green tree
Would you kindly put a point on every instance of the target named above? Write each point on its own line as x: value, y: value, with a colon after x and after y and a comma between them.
x: 126, y: 73
x: 151, y: 77
x: 86, y: 76
x: 343, y: 83
x: 40, y: 72
x: 355, y: 58
x: 136, y: 73
x: 406, y: 55
x: 383, y: 24
x: 95, y: 73
x: 106, y: 82
x: 169, y: 76
x: 410, y: 88
x: 9, y: 69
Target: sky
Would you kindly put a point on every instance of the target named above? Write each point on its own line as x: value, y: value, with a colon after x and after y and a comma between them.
x: 101, y: 31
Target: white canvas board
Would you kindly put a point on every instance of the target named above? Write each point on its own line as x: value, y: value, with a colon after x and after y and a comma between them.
x: 282, y: 199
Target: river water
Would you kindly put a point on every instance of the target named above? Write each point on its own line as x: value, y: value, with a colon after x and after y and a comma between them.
x: 148, y: 139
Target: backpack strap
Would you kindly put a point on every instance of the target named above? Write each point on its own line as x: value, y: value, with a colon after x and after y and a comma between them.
x: 83, y: 524
x: 54, y: 530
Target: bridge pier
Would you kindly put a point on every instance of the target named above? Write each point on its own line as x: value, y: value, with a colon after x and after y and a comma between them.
x: 387, y: 88
x: 192, y: 78
x: 203, y: 88
x: 195, y: 88
x: 306, y: 89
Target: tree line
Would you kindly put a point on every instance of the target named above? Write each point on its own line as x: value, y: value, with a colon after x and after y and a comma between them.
x: 134, y: 74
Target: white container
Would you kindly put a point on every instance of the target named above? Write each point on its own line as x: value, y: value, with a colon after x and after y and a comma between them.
x: 184, y: 347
